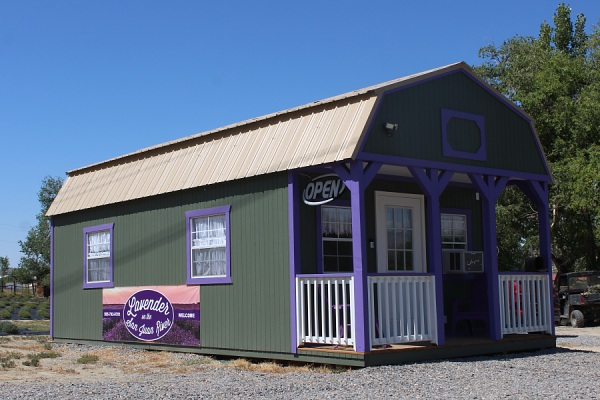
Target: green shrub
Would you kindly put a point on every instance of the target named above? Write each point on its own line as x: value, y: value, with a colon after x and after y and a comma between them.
x: 10, y: 309
x: 4, y: 314
x: 8, y: 327
x: 34, y: 362
x: 24, y: 313
x: 31, y: 305
x: 3, y: 304
x: 43, y: 313
x: 87, y: 359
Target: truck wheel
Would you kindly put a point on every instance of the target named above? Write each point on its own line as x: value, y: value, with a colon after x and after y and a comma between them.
x: 577, y: 320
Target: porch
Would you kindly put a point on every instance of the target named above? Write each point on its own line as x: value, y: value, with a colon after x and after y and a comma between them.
x: 402, y: 316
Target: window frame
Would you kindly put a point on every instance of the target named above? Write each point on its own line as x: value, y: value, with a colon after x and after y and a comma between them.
x: 419, y: 239
x: 216, y: 279
x: 94, y: 229
x: 467, y: 214
x: 321, y: 264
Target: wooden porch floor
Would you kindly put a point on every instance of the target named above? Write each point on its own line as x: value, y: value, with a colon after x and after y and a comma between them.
x: 455, y: 347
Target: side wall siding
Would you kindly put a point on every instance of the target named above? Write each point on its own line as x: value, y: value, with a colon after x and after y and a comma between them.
x: 150, y: 249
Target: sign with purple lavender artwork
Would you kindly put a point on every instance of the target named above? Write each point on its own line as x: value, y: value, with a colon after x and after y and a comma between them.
x: 157, y: 314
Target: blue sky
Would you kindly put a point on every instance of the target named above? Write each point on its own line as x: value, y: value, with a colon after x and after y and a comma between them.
x: 85, y: 81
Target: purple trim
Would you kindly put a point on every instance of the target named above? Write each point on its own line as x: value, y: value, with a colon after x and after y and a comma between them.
x: 325, y: 276
x: 467, y: 213
x: 490, y: 188
x: 404, y: 274
x: 414, y: 162
x: 448, y: 150
x: 538, y: 192
x: 334, y: 203
x: 51, y: 278
x: 294, y: 251
x: 95, y: 285
x: 203, y: 213
x: 357, y: 185
x: 433, y: 184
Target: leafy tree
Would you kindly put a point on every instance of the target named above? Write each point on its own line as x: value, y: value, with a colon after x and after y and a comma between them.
x: 4, y: 270
x: 556, y: 79
x: 36, y: 247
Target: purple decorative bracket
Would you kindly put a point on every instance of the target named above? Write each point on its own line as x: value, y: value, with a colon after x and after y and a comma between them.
x: 447, y: 148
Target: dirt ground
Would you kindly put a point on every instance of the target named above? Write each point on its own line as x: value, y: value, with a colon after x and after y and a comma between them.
x: 116, y: 363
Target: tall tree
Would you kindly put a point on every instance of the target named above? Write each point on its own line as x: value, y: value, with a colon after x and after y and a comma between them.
x: 556, y: 79
x: 36, y: 246
x: 4, y: 270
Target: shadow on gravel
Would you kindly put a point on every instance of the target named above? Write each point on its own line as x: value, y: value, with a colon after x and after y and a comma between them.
x: 519, y: 355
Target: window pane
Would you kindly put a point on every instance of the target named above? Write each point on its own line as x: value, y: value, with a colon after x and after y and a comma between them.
x: 398, y: 224
x: 391, y: 239
x: 391, y: 260
x: 399, y: 240
x: 408, y: 257
x: 345, y: 264
x: 336, y: 230
x: 389, y: 217
x: 209, y: 246
x: 409, y: 239
x: 408, y: 218
x: 330, y: 247
x: 345, y: 249
x: 454, y: 231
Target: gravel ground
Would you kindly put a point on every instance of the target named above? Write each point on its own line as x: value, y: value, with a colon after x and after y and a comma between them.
x: 535, y: 375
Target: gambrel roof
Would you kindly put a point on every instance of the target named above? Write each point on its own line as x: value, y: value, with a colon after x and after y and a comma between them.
x: 318, y: 133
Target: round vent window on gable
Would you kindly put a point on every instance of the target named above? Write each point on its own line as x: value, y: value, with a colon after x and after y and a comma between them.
x: 463, y: 135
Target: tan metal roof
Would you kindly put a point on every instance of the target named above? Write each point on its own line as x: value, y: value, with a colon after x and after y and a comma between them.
x: 318, y: 133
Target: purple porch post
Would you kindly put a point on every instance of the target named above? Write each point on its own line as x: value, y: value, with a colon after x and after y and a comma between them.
x: 357, y: 180
x: 490, y: 188
x: 433, y: 184
x: 538, y: 193
x: 294, y: 245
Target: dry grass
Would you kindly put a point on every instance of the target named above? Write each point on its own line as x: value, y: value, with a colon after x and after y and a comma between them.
x: 271, y: 367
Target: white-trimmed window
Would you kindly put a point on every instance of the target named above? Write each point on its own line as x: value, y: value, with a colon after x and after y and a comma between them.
x: 400, y: 232
x: 98, y: 256
x: 454, y: 231
x: 336, y: 236
x: 208, y: 246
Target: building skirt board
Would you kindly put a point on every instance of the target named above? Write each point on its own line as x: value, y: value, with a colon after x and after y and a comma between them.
x: 395, y: 354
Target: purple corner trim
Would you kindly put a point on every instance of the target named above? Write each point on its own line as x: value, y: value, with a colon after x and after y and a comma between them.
x: 97, y: 285
x: 217, y: 280
x: 51, y: 278
x: 448, y: 150
x: 294, y: 252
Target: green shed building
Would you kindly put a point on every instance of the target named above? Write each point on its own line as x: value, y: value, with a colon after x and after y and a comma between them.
x: 357, y: 230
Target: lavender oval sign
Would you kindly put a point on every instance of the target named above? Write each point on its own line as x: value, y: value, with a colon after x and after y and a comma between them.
x: 148, y: 315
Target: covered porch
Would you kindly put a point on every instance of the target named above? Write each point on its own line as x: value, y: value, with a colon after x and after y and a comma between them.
x: 382, y: 315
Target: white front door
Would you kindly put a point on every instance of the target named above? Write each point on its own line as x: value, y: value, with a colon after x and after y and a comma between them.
x: 400, y: 225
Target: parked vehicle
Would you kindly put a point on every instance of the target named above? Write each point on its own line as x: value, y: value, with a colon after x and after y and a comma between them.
x: 578, y: 299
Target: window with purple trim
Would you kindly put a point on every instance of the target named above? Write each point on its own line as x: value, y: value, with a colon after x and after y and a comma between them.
x: 98, y: 256
x: 208, y: 246
x: 454, y: 231
x: 336, y: 235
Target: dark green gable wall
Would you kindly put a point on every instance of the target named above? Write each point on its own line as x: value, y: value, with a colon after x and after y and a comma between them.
x: 150, y: 249
x: 510, y: 143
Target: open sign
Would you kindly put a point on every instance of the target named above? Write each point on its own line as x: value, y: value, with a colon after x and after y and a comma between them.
x: 323, y: 189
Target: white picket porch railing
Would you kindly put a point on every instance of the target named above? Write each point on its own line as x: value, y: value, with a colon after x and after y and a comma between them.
x: 402, y: 309
x: 325, y: 309
x: 525, y: 303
